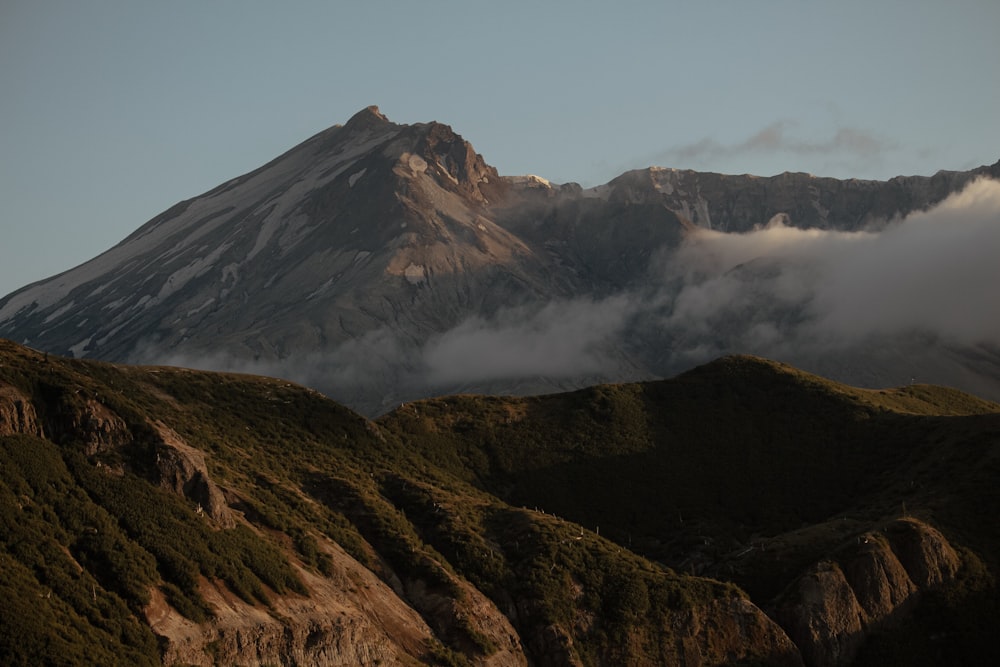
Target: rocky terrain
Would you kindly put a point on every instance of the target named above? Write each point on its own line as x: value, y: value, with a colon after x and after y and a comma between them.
x: 380, y: 262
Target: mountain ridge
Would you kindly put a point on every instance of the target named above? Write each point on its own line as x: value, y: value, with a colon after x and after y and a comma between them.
x: 348, y: 261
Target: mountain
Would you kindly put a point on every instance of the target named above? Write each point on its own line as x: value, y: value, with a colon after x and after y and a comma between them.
x: 380, y: 262
x: 757, y: 515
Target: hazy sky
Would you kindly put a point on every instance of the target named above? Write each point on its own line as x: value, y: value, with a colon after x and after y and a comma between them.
x: 113, y: 110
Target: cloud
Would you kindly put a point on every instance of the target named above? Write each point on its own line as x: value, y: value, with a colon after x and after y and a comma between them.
x: 779, y: 288
x: 355, y: 372
x: 845, y: 143
x: 808, y: 297
x: 562, y: 339
x: 782, y: 292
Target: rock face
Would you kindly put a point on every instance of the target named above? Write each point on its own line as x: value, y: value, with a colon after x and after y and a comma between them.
x: 829, y: 610
x: 470, y: 620
x: 17, y: 414
x: 739, y: 203
x: 726, y: 629
x: 182, y: 469
x: 64, y: 417
x: 95, y: 424
x: 345, y: 261
x: 348, y: 618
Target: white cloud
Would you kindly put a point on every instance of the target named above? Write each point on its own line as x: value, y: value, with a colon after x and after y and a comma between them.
x: 563, y: 339
x: 790, y: 294
x: 778, y: 291
x: 934, y: 272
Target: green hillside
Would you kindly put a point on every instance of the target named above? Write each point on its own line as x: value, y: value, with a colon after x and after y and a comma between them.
x: 743, y: 469
x: 740, y: 442
x: 96, y: 531
x: 161, y: 515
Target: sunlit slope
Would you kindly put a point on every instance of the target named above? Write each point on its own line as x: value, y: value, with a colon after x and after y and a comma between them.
x: 163, y: 515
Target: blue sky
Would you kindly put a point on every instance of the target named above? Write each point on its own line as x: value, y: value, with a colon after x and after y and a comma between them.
x: 113, y: 110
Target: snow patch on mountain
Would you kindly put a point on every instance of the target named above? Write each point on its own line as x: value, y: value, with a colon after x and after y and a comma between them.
x: 267, y: 229
x: 80, y: 348
x: 195, y: 311
x: 178, y: 279
x: 230, y: 272
x: 59, y: 312
x: 353, y: 178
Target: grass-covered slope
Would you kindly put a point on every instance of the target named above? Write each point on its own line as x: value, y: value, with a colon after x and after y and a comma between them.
x: 163, y: 515
x: 743, y: 469
x: 739, y: 442
x: 160, y: 515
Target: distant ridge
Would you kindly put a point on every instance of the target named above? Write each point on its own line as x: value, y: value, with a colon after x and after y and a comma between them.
x: 382, y: 262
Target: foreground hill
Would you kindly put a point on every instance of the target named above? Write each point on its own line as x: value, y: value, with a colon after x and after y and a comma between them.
x: 163, y: 515
x: 757, y: 473
x: 741, y: 513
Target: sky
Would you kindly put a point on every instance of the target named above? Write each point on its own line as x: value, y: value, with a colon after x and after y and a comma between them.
x: 111, y: 111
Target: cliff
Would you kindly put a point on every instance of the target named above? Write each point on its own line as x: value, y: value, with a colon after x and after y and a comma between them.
x: 832, y: 607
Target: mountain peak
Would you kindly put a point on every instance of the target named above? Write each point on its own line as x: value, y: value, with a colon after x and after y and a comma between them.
x: 367, y: 118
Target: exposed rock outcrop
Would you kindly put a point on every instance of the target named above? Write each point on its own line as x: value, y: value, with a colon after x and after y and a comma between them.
x: 182, y: 469
x: 462, y: 169
x: 738, y: 203
x: 823, y: 617
x: 349, y: 618
x: 63, y: 417
x: 100, y: 428
x: 469, y: 621
x: 731, y: 630
x: 17, y: 413
x: 928, y: 557
x: 82, y: 418
x: 830, y: 610
x: 879, y: 581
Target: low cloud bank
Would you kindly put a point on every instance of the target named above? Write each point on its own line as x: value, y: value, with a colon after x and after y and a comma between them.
x: 934, y: 273
x: 563, y: 339
x: 777, y: 291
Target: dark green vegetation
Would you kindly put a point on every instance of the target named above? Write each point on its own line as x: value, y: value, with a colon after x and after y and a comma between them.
x: 747, y: 470
x: 742, y: 446
x: 582, y: 517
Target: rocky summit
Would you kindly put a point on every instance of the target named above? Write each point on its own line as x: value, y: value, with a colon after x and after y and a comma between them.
x: 381, y: 262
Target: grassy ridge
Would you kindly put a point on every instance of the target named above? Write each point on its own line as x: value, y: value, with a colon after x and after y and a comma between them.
x: 742, y: 442
x: 748, y: 470
x: 297, y: 468
x: 541, y: 503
